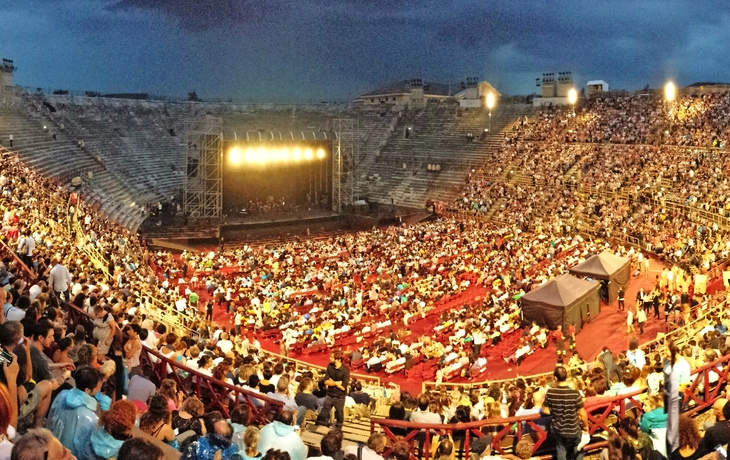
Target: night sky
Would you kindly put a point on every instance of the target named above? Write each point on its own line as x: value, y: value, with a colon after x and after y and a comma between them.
x: 317, y: 50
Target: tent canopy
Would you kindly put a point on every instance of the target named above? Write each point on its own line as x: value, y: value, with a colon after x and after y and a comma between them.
x: 608, y: 267
x: 562, y: 301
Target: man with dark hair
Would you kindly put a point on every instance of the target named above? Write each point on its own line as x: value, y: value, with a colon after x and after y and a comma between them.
x: 423, y: 415
x: 337, y: 381
x: 281, y: 434
x: 139, y: 449
x: 43, y: 337
x: 33, y: 395
x: 72, y: 417
x: 330, y: 446
x: 140, y: 387
x: 719, y: 433
x: 569, y: 417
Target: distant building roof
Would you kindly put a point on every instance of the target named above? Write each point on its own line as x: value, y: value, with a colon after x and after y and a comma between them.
x: 707, y: 83
x: 404, y: 86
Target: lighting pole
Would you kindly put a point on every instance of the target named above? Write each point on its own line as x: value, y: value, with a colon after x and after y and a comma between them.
x: 490, y: 105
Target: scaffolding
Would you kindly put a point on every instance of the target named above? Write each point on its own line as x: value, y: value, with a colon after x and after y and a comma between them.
x: 343, y: 166
x: 203, y: 192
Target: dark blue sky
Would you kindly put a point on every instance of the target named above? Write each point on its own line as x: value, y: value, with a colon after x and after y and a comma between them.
x: 304, y: 50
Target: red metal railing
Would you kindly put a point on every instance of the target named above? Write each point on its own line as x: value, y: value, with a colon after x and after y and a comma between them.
x: 215, y: 394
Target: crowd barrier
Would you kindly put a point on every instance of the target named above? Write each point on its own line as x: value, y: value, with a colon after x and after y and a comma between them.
x: 506, y: 432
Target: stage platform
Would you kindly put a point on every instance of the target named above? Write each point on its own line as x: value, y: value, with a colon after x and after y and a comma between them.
x: 178, y: 234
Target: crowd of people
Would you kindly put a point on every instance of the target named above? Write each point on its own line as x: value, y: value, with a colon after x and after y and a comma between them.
x: 98, y: 394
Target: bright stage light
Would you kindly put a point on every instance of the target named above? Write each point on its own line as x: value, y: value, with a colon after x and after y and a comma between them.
x: 670, y: 91
x: 320, y: 153
x: 235, y: 155
x: 296, y: 154
x: 308, y: 154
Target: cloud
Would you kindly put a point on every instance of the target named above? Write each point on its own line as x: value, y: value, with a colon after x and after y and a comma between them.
x: 315, y: 49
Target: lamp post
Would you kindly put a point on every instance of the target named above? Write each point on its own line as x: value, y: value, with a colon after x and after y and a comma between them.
x: 573, y: 98
x: 490, y: 104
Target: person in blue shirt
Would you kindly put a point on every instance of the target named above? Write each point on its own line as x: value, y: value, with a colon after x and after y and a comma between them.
x: 72, y: 417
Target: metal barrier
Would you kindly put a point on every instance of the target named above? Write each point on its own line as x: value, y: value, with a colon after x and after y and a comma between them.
x: 215, y: 394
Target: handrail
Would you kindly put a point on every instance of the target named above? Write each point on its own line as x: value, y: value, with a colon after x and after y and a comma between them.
x: 372, y: 379
x: 214, y: 391
x: 29, y: 275
x: 598, y: 412
x: 197, y: 386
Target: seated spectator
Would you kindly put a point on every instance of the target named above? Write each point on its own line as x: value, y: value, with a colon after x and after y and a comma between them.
x: 719, y: 432
x: 8, y: 412
x: 140, y: 387
x: 39, y: 444
x: 427, y: 411
x: 157, y: 421
x: 304, y: 396
x: 397, y: 411
x: 240, y: 419
x: 372, y: 450
x: 689, y: 440
x: 281, y: 434
x: 189, y: 417
x: 72, y: 417
x: 219, y: 440
x: 359, y: 396
x: 116, y: 427
x: 251, y: 438
x: 330, y: 447
x: 139, y: 449
x: 282, y: 394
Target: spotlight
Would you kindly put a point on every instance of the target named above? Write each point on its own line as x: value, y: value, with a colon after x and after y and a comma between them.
x: 260, y: 155
x: 308, y: 154
x: 320, y: 153
x: 235, y: 156
x: 285, y: 154
x: 296, y: 154
x: 250, y: 155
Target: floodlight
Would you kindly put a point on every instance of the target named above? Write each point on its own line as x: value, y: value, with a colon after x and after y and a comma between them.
x: 308, y: 154
x: 572, y: 96
x: 296, y: 154
x: 320, y: 153
x: 490, y: 100
x: 670, y: 91
x: 235, y: 155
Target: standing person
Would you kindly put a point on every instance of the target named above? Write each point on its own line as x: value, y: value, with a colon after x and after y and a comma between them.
x: 209, y: 311
x: 621, y: 297
x: 60, y: 279
x: 133, y: 349
x: 569, y: 417
x: 26, y: 246
x: 630, y: 323
x: 559, y: 343
x: 641, y: 319
x: 337, y: 382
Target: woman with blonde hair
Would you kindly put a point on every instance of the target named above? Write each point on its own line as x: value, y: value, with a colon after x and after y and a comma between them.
x: 251, y: 438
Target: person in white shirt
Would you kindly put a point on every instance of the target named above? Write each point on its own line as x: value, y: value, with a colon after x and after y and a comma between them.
x: 60, y: 279
x: 372, y: 450
x: 224, y: 344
